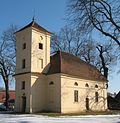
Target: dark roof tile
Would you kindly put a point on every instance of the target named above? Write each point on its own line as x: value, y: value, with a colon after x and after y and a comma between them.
x: 66, y: 63
x: 117, y: 97
x: 35, y: 25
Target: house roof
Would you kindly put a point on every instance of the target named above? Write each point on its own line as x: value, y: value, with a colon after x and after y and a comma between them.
x: 2, y: 95
x: 35, y: 25
x: 113, y: 103
x: 117, y: 97
x: 62, y: 62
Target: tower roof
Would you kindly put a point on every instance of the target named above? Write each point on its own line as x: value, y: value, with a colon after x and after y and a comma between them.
x: 66, y: 63
x: 34, y: 25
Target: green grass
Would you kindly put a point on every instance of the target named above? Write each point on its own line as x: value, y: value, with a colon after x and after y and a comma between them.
x: 81, y: 113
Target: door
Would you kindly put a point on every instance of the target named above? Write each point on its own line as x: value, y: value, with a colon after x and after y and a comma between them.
x: 23, y: 104
x: 87, y: 103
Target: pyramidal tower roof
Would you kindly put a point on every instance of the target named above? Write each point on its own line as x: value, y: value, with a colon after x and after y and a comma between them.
x: 36, y: 26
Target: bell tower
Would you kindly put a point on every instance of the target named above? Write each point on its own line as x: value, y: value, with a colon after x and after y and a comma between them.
x: 32, y: 56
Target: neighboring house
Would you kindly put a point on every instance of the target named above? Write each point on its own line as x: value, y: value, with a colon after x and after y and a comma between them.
x: 113, y: 104
x: 60, y: 83
x: 117, y: 97
x: 11, y: 97
x: 114, y: 101
x: 2, y: 96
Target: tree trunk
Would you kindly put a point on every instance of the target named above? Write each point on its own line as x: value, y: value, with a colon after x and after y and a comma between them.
x: 7, y: 94
x: 105, y: 69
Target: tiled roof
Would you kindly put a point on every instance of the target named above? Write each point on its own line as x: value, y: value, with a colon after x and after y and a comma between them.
x: 35, y: 25
x: 2, y: 95
x: 113, y: 103
x: 66, y: 63
x: 117, y: 97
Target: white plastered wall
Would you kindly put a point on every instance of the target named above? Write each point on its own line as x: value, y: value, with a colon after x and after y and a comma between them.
x: 67, y: 94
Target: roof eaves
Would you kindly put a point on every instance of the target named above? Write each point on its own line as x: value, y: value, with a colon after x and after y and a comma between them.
x: 34, y: 25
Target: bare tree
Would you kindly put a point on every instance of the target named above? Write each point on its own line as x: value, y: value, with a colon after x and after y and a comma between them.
x: 102, y: 56
x: 88, y: 52
x: 68, y: 40
x: 101, y: 51
x: 7, y: 58
x: 107, y: 57
x: 101, y: 15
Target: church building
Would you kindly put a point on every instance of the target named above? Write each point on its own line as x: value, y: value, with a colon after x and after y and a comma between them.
x: 60, y: 82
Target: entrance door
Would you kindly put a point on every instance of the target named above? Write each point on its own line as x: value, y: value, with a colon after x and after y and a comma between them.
x: 23, y: 103
x: 87, y: 103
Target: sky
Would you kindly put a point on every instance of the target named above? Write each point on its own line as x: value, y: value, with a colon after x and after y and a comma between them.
x: 49, y: 14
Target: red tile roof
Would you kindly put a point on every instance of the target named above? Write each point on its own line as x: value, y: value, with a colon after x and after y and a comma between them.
x: 2, y: 95
x: 66, y: 63
x: 35, y: 25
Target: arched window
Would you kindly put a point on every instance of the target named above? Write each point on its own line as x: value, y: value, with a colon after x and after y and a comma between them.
x: 96, y: 86
x: 51, y: 83
x: 76, y: 84
x: 41, y: 38
x: 86, y: 85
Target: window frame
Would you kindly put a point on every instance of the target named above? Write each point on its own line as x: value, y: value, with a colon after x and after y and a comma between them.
x: 87, y: 85
x: 24, y: 46
x: 96, y: 97
x: 51, y: 83
x: 75, y: 84
x: 76, y: 96
x: 96, y: 86
x: 41, y: 46
x: 23, y: 85
x: 23, y: 63
x: 41, y: 61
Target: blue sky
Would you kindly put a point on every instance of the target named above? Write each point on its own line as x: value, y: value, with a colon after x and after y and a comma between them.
x: 48, y: 13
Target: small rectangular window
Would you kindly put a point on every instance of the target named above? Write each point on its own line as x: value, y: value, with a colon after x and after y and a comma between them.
x: 23, y: 63
x: 41, y: 63
x: 23, y: 85
x: 96, y: 96
x: 40, y: 46
x: 75, y: 96
x: 24, y: 46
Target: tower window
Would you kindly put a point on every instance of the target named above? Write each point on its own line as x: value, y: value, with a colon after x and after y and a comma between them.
x: 41, y: 63
x: 51, y: 83
x: 23, y: 63
x: 41, y: 38
x: 24, y: 46
x: 96, y: 96
x: 75, y: 96
x: 40, y: 46
x: 23, y: 85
